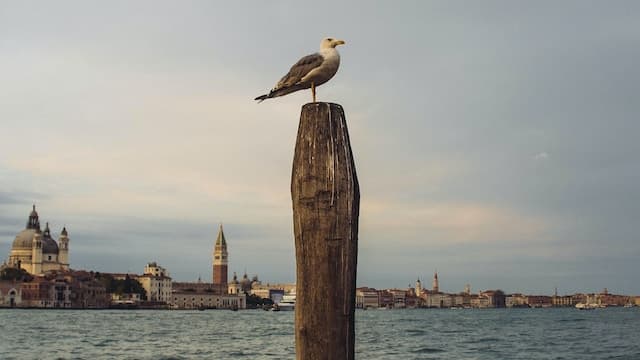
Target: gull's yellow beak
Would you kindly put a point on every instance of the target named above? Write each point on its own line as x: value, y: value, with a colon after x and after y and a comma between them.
x: 338, y: 42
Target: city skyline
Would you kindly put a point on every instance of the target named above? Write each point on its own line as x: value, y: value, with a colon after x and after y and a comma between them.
x: 494, y: 142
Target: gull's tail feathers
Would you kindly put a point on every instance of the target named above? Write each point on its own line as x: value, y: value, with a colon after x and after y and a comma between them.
x: 282, y: 91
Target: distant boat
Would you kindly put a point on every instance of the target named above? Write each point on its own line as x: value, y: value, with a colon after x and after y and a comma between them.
x: 629, y: 305
x: 582, y: 306
x: 288, y: 302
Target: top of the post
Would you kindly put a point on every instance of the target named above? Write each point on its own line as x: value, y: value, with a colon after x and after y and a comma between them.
x: 320, y: 105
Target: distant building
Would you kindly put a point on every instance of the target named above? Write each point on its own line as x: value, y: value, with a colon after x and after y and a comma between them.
x: 399, y: 298
x: 36, y: 250
x: 58, y: 289
x: 385, y: 299
x: 206, y: 300
x: 516, y: 301
x: 10, y: 293
x: 418, y: 288
x: 438, y: 300
x: 496, y: 298
x: 539, y: 301
x: 562, y: 301
x: 266, y: 293
x: 156, y: 282
x: 275, y: 292
x: 480, y: 301
x: 367, y: 298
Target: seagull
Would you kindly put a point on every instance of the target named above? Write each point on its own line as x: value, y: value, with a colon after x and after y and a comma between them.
x: 310, y: 71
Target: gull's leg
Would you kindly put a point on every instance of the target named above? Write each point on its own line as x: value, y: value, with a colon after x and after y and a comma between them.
x: 313, y: 91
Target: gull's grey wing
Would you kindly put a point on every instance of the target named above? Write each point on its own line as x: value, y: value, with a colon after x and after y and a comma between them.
x: 299, y: 70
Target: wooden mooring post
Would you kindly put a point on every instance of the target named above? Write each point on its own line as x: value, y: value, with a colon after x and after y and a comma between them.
x: 326, y: 203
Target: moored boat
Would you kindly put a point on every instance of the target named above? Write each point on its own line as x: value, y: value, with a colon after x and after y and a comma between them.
x: 288, y: 302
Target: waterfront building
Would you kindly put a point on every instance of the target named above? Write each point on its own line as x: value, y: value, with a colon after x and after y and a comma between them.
x: 516, y: 300
x: 411, y: 300
x: 385, y: 299
x: 496, y: 298
x: 479, y: 301
x: 539, y: 301
x: 285, y: 287
x: 418, y: 288
x: 156, y: 282
x: 206, y: 300
x: 63, y: 289
x: 399, y: 298
x: 562, y: 301
x: 461, y: 300
x: 86, y: 291
x: 579, y: 298
x: 438, y: 300
x: 607, y: 299
x: 275, y: 295
x: 10, y: 293
x: 220, y: 260
x: 367, y: 298
x: 36, y: 250
x: 637, y: 300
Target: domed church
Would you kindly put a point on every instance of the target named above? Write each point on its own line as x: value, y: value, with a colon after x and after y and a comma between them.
x: 37, y: 251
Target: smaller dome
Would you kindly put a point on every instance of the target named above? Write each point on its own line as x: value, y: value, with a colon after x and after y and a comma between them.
x: 49, y: 246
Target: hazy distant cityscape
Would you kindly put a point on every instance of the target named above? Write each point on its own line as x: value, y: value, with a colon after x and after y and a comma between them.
x: 37, y: 274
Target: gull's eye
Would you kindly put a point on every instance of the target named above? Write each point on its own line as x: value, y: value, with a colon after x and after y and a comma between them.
x: 330, y: 39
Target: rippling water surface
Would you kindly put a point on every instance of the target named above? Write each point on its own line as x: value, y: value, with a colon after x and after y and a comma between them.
x: 381, y: 334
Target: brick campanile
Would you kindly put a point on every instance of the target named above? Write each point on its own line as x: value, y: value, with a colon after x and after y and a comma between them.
x: 220, y: 259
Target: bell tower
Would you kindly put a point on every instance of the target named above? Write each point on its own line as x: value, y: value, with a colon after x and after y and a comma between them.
x: 436, y: 285
x: 63, y: 255
x: 220, y: 259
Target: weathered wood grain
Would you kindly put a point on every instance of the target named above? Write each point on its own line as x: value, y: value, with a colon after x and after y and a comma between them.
x: 326, y: 202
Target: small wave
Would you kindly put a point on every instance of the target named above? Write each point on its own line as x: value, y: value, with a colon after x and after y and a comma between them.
x: 104, y: 343
x: 572, y: 320
x: 428, y: 350
x: 485, y: 340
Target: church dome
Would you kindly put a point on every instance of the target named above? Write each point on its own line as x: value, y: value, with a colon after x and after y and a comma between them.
x: 23, y: 240
x: 49, y: 245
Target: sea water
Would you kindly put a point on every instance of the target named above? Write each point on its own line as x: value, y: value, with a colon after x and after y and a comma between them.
x: 612, y: 333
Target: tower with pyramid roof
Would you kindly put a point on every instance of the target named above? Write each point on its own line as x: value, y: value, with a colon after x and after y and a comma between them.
x: 220, y: 260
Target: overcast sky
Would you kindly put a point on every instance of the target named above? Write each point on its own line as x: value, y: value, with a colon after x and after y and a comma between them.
x: 495, y: 141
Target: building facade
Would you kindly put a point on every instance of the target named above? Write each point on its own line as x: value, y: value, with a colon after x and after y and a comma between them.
x: 206, y: 300
x: 156, y: 282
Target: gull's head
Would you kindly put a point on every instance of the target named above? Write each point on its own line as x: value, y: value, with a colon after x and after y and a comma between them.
x: 329, y: 43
